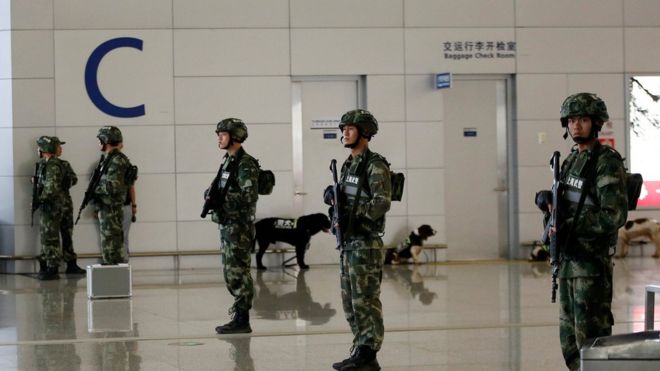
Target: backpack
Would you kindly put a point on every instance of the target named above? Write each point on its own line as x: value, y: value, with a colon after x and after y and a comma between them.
x: 266, y: 182
x: 397, y: 179
x: 634, y: 184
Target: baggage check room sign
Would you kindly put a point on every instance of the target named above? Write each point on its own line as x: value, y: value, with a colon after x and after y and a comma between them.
x: 480, y: 49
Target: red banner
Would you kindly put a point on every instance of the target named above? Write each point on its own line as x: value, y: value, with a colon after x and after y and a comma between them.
x: 650, y: 195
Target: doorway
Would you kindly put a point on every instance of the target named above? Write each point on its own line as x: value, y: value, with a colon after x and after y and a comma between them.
x: 477, y: 134
x: 318, y: 103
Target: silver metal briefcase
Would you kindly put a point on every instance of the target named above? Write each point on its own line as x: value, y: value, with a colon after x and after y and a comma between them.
x: 109, y: 281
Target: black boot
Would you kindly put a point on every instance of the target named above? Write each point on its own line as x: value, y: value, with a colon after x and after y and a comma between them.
x: 51, y: 273
x: 42, y: 266
x: 364, y: 359
x: 339, y: 365
x: 73, y: 268
x: 240, y: 324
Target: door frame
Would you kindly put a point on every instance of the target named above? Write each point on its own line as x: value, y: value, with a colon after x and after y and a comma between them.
x: 297, y: 125
x: 507, y: 163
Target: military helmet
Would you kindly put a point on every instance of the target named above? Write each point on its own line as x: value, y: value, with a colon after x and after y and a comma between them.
x: 110, y: 135
x: 235, y: 127
x: 362, y: 119
x: 584, y: 104
x: 56, y: 139
x: 48, y: 144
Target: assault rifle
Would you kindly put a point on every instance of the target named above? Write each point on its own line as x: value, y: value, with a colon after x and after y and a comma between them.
x: 553, y: 222
x: 336, y: 227
x: 93, y: 182
x: 213, y: 197
x: 210, y: 198
x: 35, y: 192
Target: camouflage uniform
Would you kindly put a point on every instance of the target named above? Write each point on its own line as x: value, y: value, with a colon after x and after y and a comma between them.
x: 109, y: 197
x: 66, y: 227
x: 363, y: 253
x: 236, y: 225
x: 51, y: 203
x: 585, y: 272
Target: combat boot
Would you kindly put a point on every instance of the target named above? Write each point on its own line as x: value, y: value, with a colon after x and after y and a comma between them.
x: 42, y: 266
x: 73, y: 268
x: 240, y: 324
x: 339, y: 365
x: 51, y: 273
x: 364, y: 359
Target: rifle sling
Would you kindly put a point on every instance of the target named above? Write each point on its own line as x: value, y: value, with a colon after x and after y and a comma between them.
x: 232, y: 176
x: 591, y: 173
x: 363, y: 176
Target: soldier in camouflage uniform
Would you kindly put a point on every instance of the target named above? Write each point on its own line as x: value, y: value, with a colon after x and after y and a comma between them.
x: 586, y: 241
x: 109, y: 195
x: 51, y: 198
x: 366, y: 187
x: 66, y: 227
x: 235, y: 194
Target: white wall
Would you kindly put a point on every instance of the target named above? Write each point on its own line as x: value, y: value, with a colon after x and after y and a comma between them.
x: 204, y: 60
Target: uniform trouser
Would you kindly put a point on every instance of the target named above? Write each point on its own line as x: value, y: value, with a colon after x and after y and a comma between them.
x: 236, y: 244
x: 126, y: 225
x: 66, y: 231
x: 112, y: 235
x: 585, y: 312
x: 49, y: 234
x: 361, y: 273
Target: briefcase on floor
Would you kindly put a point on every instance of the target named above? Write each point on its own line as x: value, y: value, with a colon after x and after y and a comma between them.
x: 109, y: 281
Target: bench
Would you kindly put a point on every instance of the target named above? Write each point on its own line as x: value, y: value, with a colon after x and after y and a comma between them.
x: 142, y: 254
x: 433, y: 247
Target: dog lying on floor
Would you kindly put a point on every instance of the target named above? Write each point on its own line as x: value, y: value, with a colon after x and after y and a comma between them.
x: 643, y: 229
x: 411, y: 247
x: 296, y: 232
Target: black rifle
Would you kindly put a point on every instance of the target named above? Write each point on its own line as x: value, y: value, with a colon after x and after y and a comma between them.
x: 553, y: 222
x: 93, y: 182
x: 35, y: 192
x: 336, y: 218
x: 213, y: 197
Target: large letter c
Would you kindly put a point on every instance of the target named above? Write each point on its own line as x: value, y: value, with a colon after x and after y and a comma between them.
x: 91, y: 77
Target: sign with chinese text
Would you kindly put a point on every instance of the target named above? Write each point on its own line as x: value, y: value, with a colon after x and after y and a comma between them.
x: 479, y: 49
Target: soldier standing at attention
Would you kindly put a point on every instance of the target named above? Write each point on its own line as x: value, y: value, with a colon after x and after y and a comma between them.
x: 117, y: 176
x: 50, y: 197
x: 587, y: 235
x: 66, y: 226
x: 234, y: 195
x: 366, y: 187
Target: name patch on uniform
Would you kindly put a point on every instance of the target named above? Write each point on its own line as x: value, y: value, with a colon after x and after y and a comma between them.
x: 352, y: 179
x: 575, y: 182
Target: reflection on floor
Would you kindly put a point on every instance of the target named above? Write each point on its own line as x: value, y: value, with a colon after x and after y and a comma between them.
x: 454, y: 316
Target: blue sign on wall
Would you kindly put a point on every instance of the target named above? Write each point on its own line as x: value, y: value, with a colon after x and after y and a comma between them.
x: 443, y: 80
x: 91, y: 77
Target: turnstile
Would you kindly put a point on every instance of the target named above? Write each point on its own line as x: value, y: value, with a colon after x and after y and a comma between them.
x: 627, y: 352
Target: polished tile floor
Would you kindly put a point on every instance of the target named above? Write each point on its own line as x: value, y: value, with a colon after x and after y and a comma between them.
x: 452, y: 316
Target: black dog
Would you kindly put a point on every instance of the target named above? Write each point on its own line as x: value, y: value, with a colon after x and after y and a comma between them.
x: 296, y: 232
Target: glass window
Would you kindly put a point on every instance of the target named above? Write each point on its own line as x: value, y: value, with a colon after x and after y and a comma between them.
x: 645, y: 136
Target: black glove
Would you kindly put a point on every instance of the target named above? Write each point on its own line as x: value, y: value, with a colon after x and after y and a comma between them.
x: 542, y: 199
x: 329, y: 195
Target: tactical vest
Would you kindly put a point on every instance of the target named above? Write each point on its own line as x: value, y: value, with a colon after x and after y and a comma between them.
x: 579, y: 231
x: 355, y: 188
